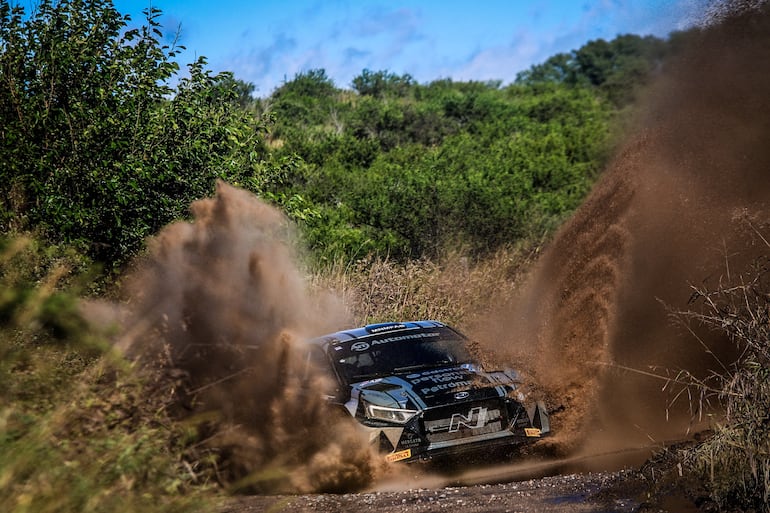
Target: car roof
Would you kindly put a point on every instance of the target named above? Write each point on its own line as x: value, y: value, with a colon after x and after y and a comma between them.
x: 374, y: 329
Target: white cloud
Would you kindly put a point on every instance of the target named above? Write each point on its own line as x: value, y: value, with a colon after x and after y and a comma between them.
x: 345, y: 37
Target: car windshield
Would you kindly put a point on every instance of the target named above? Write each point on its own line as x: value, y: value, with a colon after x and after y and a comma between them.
x: 398, y: 353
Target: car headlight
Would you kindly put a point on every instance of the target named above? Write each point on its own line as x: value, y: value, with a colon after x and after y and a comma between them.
x: 395, y: 415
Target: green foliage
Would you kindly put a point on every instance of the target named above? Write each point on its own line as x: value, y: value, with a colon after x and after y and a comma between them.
x: 382, y: 83
x: 98, y: 150
x: 616, y: 68
x: 305, y: 100
x: 101, y: 151
x: 409, y: 170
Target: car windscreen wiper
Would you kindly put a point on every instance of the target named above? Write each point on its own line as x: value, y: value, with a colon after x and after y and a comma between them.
x: 363, y: 377
x: 422, y: 366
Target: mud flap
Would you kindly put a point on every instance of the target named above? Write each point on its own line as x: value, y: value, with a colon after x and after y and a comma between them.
x: 538, y: 416
x: 384, y: 437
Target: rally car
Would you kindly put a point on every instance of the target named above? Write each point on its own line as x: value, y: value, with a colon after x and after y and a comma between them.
x: 416, y: 390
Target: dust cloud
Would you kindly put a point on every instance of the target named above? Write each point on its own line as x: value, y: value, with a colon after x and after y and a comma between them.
x: 682, y: 203
x: 220, y: 306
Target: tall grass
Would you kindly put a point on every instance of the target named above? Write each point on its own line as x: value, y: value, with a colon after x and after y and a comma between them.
x: 453, y: 289
x: 735, y: 461
x: 77, y: 430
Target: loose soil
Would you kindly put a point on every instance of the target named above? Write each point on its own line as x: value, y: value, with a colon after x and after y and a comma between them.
x: 620, y: 491
x: 651, y: 486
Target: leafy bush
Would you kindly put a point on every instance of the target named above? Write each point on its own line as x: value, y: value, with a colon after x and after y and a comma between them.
x: 407, y: 170
x: 98, y: 149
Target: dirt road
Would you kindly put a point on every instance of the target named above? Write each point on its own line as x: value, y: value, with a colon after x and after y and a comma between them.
x: 641, y: 488
x: 620, y: 491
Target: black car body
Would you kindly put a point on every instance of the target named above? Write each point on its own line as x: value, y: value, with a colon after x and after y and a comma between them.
x: 417, y: 391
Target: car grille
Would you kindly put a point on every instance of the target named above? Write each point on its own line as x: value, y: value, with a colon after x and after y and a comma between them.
x: 464, y: 420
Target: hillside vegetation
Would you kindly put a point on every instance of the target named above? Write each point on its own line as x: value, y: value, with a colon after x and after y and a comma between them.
x: 100, y: 150
x: 401, y: 192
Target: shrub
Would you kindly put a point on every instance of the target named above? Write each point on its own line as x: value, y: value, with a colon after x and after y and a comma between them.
x: 97, y: 148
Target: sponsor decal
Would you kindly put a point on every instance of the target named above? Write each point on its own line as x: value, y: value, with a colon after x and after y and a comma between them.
x: 448, y: 386
x: 388, y: 327
x: 443, y: 377
x: 398, y: 456
x: 445, y: 386
x: 421, y: 376
x: 462, y: 395
x: 359, y: 346
x: 532, y: 432
x: 399, y: 338
x: 476, y: 419
x: 437, y: 381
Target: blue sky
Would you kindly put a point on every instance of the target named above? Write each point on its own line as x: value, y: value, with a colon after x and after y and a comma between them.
x: 268, y: 42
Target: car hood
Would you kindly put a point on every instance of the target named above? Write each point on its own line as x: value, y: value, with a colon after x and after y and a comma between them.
x: 427, y: 388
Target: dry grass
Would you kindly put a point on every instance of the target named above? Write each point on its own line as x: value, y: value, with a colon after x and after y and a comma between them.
x: 454, y: 289
x: 78, y: 429
x: 735, y: 461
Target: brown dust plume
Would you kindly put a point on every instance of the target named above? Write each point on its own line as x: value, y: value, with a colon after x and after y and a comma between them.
x: 684, y: 202
x: 219, y: 304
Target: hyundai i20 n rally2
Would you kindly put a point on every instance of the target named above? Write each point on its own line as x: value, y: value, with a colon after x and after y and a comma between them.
x: 416, y: 390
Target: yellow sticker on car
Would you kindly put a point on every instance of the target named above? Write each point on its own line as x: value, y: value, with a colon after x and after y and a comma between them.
x: 534, y: 432
x: 398, y: 456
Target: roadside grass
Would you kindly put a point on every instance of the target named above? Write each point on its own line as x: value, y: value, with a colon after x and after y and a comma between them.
x: 454, y: 289
x: 734, y: 462
x: 77, y: 430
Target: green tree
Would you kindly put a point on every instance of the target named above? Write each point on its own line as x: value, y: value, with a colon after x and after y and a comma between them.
x: 559, y: 68
x: 97, y: 148
x: 304, y: 101
x: 383, y: 83
x: 617, y: 68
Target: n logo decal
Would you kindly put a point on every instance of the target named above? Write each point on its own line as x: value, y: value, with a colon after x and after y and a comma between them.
x: 476, y: 418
